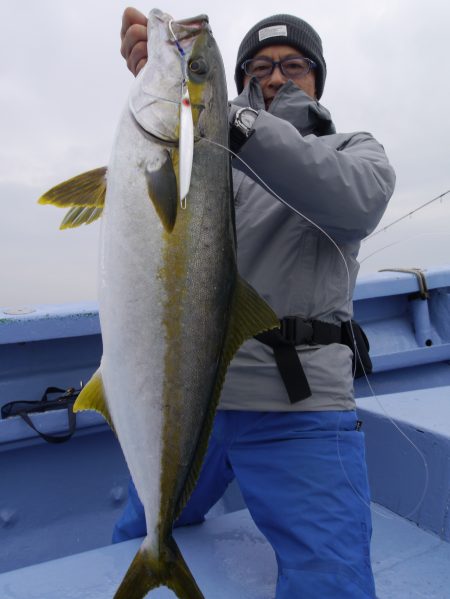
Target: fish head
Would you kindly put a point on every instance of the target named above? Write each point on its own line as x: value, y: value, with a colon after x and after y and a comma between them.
x: 207, y: 88
x: 157, y: 92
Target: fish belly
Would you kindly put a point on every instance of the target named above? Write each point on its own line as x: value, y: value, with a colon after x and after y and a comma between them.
x: 164, y: 308
x: 131, y: 298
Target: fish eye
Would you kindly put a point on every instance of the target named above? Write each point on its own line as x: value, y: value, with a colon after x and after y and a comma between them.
x: 198, y: 66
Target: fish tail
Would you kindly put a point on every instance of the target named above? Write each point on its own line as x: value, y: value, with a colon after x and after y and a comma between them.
x: 148, y: 572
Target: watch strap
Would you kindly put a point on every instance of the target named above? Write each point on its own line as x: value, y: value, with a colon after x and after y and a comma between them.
x: 238, y: 134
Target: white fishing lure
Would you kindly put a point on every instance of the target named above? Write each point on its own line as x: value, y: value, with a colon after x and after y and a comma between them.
x: 186, y: 147
x: 186, y: 137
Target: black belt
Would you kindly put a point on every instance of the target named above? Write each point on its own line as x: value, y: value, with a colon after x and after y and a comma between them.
x: 297, y: 331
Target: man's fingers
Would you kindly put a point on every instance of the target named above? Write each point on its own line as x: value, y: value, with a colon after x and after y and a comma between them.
x: 136, y: 34
x: 141, y: 64
x: 137, y: 58
x: 130, y: 17
x: 134, y: 39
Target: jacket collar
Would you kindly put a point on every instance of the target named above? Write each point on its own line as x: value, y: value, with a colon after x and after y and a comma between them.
x: 291, y: 104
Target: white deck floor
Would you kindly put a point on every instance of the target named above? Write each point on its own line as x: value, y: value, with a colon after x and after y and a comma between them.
x: 231, y: 560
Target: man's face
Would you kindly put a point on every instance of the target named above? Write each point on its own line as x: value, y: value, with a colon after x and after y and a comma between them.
x: 271, y: 84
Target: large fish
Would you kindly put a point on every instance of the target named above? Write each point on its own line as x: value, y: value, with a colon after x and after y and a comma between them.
x: 173, y: 309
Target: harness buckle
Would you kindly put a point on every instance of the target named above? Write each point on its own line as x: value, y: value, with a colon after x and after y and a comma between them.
x: 296, y: 330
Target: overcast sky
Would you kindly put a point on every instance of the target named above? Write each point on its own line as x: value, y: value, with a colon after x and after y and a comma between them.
x: 64, y: 84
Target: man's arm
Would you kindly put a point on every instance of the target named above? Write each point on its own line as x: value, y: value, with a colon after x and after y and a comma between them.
x: 345, y: 190
x: 134, y: 39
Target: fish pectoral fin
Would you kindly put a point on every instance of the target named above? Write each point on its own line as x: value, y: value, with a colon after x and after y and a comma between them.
x: 85, y: 193
x: 162, y: 190
x: 77, y: 216
x: 92, y: 397
x: 147, y: 572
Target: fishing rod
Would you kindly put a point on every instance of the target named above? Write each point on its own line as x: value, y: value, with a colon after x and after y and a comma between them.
x: 385, y: 228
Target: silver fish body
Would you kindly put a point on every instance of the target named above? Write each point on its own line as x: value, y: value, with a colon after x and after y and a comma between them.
x: 173, y: 309
x: 164, y: 296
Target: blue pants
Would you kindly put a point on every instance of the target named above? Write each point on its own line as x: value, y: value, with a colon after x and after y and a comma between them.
x: 303, y: 478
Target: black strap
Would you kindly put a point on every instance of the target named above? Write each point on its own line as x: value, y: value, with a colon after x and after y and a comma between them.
x: 289, y: 365
x: 71, y: 421
x: 24, y: 408
x: 297, y: 331
x: 352, y: 333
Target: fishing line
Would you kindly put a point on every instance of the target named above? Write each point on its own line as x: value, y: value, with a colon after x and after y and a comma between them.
x: 175, y: 39
x: 439, y: 197
x: 406, y: 239
x: 357, y: 356
x: 409, y: 440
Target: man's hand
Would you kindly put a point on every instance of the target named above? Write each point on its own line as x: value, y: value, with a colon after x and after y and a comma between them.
x: 134, y: 39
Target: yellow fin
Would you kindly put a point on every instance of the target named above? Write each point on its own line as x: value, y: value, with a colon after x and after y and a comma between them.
x: 249, y: 316
x: 147, y: 572
x: 92, y: 397
x: 83, y: 215
x: 85, y: 193
x: 162, y: 190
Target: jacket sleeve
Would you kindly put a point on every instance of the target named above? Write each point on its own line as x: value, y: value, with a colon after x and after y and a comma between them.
x: 344, y: 188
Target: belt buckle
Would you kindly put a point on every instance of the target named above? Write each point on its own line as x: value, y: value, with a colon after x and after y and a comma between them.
x: 297, y: 330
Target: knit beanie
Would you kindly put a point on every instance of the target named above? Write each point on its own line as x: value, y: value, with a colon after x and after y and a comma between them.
x: 283, y: 30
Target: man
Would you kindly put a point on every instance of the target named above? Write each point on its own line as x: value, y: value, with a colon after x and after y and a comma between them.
x: 287, y: 430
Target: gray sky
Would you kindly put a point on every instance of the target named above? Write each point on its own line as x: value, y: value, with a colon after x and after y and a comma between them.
x: 64, y: 84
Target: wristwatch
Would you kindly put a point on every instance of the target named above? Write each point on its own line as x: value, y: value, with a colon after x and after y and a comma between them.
x: 245, y: 119
x: 242, y: 127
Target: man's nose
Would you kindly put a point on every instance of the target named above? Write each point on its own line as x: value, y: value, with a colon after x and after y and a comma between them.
x: 277, y: 78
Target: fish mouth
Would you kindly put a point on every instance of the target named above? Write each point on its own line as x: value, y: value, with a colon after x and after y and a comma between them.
x: 186, y: 30
x: 193, y: 24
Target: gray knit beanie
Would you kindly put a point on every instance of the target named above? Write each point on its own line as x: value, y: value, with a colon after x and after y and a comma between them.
x: 283, y: 30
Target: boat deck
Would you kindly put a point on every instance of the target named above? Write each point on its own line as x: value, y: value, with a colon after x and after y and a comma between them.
x: 230, y: 558
x: 58, y: 503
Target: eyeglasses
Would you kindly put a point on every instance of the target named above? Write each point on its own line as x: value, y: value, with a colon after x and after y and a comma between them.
x: 292, y: 68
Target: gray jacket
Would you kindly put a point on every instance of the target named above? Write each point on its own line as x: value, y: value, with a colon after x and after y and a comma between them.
x: 338, y: 181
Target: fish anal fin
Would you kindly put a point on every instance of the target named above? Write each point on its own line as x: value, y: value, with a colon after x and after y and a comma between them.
x: 92, y: 397
x: 147, y: 572
x: 85, y: 193
x: 162, y: 190
x: 249, y: 316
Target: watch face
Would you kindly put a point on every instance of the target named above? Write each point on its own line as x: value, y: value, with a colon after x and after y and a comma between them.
x: 248, y: 118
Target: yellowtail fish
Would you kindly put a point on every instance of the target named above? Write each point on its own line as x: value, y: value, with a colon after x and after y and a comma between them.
x: 173, y: 309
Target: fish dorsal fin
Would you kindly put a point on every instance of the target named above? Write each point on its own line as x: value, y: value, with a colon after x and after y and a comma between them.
x: 250, y: 315
x: 85, y: 193
x: 162, y: 190
x: 92, y: 397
